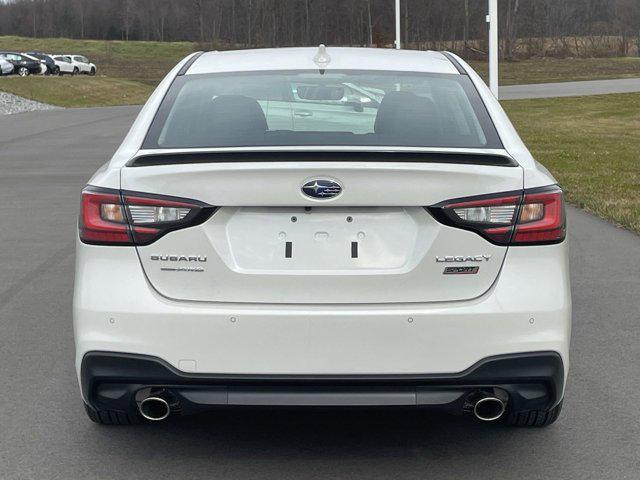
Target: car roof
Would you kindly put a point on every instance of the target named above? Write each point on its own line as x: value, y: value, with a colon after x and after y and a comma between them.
x: 341, y: 58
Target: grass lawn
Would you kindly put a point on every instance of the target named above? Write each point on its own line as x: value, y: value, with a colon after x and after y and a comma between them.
x: 127, y: 71
x: 145, y: 62
x: 78, y: 91
x: 591, y: 145
x: 550, y: 70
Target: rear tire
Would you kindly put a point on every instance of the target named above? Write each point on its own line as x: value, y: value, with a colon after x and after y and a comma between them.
x: 24, y: 72
x: 111, y: 417
x: 75, y: 71
x: 534, y: 418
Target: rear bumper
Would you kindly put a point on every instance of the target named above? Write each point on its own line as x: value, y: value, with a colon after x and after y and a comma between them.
x: 111, y: 381
x: 527, y: 310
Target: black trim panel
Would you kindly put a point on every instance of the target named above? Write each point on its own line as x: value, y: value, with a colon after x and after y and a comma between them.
x: 310, y: 156
x: 187, y: 65
x: 455, y: 62
x: 123, y: 374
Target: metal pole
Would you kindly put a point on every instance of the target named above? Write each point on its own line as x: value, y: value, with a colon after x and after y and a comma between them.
x: 398, y: 24
x: 492, y: 19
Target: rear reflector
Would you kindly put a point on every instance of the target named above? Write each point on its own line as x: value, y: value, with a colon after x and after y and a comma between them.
x: 542, y: 219
x: 102, y: 219
x: 532, y: 217
x: 112, y: 217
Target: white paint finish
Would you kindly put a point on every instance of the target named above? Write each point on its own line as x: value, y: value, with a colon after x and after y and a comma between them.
x: 106, y: 177
x: 398, y: 185
x: 321, y: 239
x: 246, y: 258
x: 190, y: 366
x: 364, y: 183
x: 315, y: 339
x: 342, y: 58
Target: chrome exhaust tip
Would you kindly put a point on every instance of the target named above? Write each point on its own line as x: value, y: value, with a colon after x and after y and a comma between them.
x: 154, y: 408
x: 489, y: 409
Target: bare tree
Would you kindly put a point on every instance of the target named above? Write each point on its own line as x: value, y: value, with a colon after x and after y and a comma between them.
x: 369, y: 24
x: 465, y: 34
x: 510, y: 40
x: 529, y: 27
x: 127, y: 17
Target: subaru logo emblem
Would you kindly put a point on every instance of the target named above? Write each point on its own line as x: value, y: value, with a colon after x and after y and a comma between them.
x: 322, y: 189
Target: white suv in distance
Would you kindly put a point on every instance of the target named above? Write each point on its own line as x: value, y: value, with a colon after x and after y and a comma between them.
x: 266, y: 235
x: 82, y: 64
x: 65, y: 65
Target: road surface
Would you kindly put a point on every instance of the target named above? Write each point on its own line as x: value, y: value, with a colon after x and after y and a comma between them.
x: 45, y: 160
x: 570, y: 89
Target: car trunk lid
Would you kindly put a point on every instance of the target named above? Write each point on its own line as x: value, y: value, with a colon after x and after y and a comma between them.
x: 270, y: 243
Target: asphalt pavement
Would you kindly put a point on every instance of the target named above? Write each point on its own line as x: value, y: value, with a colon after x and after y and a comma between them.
x: 570, y: 89
x: 45, y: 160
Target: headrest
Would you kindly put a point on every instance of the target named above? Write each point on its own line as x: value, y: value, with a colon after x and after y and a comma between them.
x: 408, y: 117
x: 234, y: 116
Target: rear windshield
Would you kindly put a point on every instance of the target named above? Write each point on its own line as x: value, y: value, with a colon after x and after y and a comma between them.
x: 315, y: 108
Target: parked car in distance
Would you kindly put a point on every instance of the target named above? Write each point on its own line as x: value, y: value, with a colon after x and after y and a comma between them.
x: 23, y: 65
x: 47, y: 61
x: 43, y: 67
x: 65, y: 65
x: 83, y: 64
x: 6, y: 67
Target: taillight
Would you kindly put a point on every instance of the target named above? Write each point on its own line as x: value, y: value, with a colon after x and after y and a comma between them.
x: 532, y: 217
x: 113, y: 217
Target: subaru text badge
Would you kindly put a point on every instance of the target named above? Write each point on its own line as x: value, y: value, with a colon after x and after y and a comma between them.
x: 322, y: 189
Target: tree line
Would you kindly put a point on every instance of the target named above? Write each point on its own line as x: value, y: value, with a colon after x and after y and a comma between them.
x: 528, y: 27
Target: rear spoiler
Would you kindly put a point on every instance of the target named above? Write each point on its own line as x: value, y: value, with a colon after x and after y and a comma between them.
x: 490, y: 159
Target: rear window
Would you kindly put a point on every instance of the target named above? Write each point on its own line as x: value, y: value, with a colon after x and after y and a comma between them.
x: 330, y: 108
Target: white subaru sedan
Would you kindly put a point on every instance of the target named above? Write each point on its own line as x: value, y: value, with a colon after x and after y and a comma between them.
x: 322, y: 227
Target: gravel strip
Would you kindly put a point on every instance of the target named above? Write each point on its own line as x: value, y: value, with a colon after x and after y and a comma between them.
x: 13, y: 104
